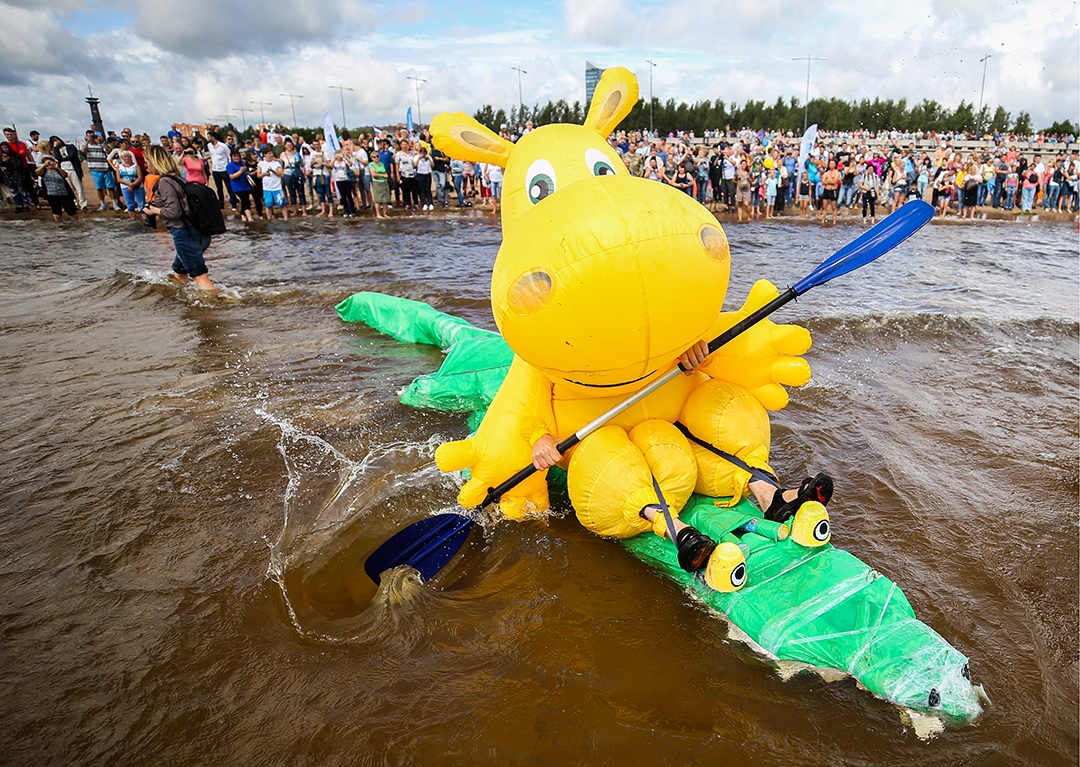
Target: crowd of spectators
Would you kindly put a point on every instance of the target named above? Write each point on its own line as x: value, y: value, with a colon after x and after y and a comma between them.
x: 750, y: 174
x: 753, y: 174
x: 270, y: 174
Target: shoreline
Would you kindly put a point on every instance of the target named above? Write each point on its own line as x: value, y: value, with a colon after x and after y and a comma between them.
x: 984, y: 213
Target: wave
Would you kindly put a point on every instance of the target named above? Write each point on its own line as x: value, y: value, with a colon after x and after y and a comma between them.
x: 865, y: 329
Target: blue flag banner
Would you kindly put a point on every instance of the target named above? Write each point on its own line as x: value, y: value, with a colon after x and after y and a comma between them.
x: 331, y: 144
x: 808, y: 140
x: 408, y: 121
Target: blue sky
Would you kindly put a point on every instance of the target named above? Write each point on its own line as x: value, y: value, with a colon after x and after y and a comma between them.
x: 152, y: 64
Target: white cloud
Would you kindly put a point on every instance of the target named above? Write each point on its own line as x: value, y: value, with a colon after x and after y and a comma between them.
x: 157, y: 66
x: 610, y: 22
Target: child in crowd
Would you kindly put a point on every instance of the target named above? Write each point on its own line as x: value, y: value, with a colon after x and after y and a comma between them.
x: 771, y: 185
x: 271, y: 172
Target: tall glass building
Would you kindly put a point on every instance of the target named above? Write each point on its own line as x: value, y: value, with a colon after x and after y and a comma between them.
x: 592, y: 77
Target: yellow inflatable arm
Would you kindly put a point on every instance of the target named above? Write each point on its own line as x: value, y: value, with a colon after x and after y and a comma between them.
x: 519, y: 415
x: 765, y: 356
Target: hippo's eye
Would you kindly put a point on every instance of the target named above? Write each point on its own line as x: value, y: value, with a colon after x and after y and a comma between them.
x: 530, y: 292
x: 598, y: 163
x: 540, y: 180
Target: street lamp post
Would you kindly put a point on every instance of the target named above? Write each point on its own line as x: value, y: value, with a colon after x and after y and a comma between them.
x: 652, y: 65
x: 978, y: 118
x: 416, y: 82
x: 806, y: 107
x: 243, y: 116
x: 293, y: 104
x: 341, y: 92
x: 262, y: 111
x: 521, y: 101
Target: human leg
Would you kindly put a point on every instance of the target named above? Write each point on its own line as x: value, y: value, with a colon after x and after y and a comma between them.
x: 189, y: 262
x: 56, y: 206
x: 423, y: 186
x: 348, y: 201
x: 223, y: 187
x: 1027, y: 198
x: 1052, y: 192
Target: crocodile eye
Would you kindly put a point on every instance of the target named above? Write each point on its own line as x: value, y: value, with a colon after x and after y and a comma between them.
x: 935, y: 698
x: 821, y: 530
x: 598, y: 163
x: 738, y: 576
x: 540, y: 180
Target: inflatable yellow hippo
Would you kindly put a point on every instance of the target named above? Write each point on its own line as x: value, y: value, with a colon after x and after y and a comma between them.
x: 602, y: 281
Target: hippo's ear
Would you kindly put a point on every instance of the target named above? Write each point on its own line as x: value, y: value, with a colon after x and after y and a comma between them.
x: 614, y: 97
x: 463, y: 138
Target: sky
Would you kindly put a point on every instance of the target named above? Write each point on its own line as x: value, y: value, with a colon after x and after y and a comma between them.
x: 153, y: 63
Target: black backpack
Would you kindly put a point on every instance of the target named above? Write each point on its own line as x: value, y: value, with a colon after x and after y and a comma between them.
x: 204, y: 212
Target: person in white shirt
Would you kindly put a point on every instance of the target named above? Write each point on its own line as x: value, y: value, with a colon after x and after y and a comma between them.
x: 270, y: 171
x: 494, y: 176
x: 220, y: 154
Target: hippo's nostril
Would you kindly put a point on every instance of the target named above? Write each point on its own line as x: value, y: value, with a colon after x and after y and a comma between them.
x: 715, y: 242
x: 530, y: 292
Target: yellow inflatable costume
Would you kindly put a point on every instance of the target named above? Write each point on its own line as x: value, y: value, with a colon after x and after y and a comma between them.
x: 601, y: 282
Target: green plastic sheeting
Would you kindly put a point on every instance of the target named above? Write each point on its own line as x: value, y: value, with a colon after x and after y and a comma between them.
x: 820, y: 606
x: 476, y: 359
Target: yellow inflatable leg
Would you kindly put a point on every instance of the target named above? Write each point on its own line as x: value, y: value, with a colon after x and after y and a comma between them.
x: 610, y: 476
x: 671, y: 461
x: 729, y: 417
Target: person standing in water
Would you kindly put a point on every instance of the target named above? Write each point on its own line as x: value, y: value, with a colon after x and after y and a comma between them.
x: 170, y: 204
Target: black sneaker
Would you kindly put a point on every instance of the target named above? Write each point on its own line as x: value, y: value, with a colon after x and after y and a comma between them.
x: 695, y: 548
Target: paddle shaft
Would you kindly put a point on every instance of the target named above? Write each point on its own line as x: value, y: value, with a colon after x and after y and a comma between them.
x: 740, y: 327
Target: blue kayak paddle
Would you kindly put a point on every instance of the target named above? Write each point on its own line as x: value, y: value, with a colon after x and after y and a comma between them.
x: 429, y: 544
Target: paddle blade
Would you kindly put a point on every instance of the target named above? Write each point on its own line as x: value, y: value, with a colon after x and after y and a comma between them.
x: 426, y: 546
x: 875, y: 242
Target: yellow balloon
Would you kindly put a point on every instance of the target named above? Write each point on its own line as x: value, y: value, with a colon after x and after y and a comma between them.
x: 770, y: 163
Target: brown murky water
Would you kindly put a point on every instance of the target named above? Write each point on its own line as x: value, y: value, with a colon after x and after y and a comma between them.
x: 188, y: 485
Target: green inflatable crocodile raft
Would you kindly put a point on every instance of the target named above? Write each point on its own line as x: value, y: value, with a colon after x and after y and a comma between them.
x: 818, y: 606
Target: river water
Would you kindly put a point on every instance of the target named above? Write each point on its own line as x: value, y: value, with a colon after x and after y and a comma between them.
x: 188, y: 484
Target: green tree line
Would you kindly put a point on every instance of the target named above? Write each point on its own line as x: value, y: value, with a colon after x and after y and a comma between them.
x: 831, y: 114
